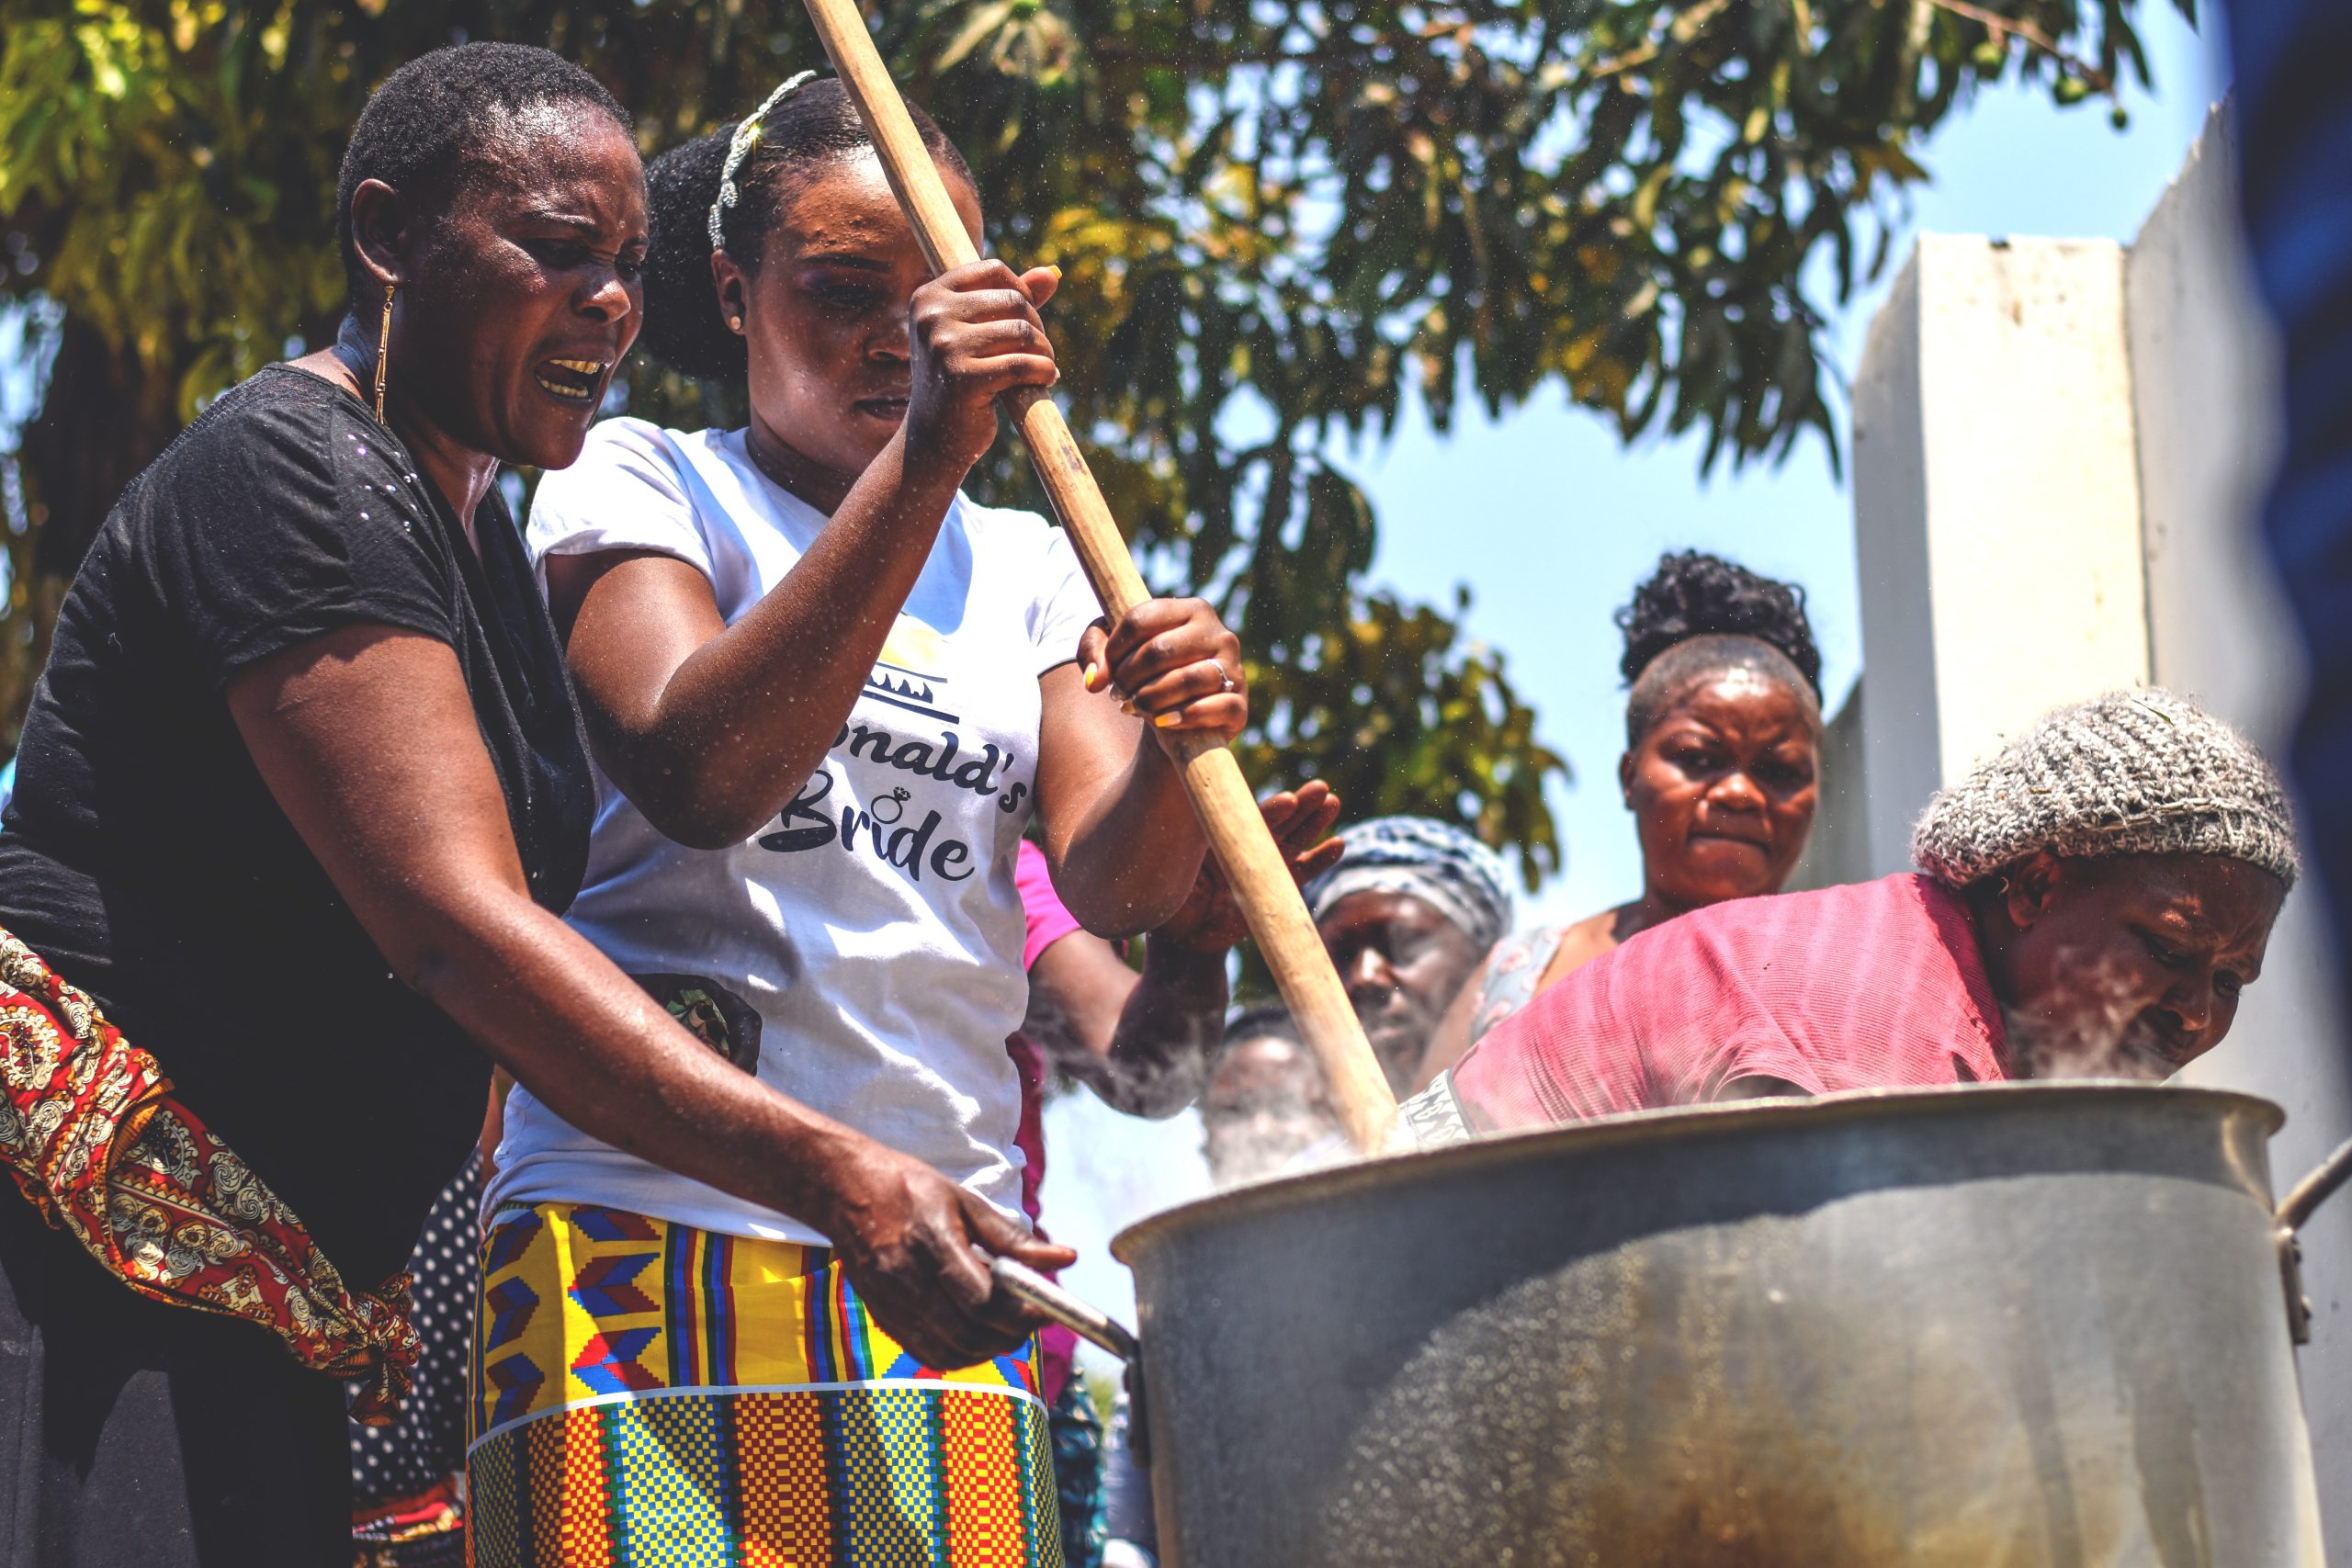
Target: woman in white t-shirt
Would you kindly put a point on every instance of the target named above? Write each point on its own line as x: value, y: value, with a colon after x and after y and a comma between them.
x: 826, y: 694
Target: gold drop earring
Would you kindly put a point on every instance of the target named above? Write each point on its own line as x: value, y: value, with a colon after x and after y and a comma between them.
x: 383, y: 348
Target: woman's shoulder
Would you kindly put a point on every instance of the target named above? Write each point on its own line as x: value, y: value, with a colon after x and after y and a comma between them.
x: 629, y: 488
x: 625, y: 456
x: 624, y: 444
x: 283, y: 512
x: 1828, y: 932
x: 282, y: 456
x: 277, y: 416
x: 1529, y: 947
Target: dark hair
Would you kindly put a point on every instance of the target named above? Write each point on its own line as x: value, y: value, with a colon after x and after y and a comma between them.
x: 433, y: 125
x: 1700, y: 615
x: 814, y: 126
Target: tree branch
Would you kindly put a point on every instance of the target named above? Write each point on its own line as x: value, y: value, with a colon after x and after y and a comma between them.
x: 1998, y: 25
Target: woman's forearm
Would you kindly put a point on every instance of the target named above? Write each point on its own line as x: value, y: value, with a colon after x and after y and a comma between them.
x: 1144, y: 1044
x: 743, y: 721
x: 1125, y: 844
x: 607, y: 1059
x: 363, y: 733
x: 1168, y: 1032
x: 1133, y: 853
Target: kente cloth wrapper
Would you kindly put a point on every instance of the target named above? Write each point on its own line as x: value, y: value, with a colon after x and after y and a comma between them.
x: 652, y: 1393
x: 90, y: 1130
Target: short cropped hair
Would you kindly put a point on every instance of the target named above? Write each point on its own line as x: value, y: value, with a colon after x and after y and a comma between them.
x: 435, y: 124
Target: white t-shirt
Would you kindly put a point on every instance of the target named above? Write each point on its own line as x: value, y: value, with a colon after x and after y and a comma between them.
x: 874, y: 929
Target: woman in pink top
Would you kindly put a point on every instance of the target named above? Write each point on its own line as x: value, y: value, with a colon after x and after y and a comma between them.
x: 2091, y: 903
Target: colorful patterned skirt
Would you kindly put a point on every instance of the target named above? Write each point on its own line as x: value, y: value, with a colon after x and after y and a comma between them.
x: 647, y: 1394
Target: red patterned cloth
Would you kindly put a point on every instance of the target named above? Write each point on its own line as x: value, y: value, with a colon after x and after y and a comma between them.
x: 92, y: 1135
x: 427, y: 1527
x: 1875, y: 986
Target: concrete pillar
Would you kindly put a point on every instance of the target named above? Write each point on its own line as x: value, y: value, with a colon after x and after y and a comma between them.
x: 1996, y: 508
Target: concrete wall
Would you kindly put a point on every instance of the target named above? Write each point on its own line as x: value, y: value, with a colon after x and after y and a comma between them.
x: 1901, y: 750
x: 1839, y: 850
x: 2204, y: 380
x: 1996, y: 508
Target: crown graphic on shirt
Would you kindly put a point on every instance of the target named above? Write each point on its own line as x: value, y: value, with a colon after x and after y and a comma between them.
x: 904, y: 676
x: 908, y: 689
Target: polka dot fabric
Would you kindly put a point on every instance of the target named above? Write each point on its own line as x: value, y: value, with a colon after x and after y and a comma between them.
x: 394, y: 1467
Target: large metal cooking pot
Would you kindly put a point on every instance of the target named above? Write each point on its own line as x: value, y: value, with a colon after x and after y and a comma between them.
x: 2014, y: 1326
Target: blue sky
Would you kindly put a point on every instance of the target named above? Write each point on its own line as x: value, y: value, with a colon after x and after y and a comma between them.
x: 1550, y: 523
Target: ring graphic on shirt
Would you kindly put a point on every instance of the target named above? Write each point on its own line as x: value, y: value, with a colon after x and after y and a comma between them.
x: 897, y: 801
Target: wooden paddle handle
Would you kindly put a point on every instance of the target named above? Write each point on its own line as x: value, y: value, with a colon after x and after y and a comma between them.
x: 1261, y: 881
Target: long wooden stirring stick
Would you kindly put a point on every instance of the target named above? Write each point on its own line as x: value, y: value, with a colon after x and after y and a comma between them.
x: 1237, y: 834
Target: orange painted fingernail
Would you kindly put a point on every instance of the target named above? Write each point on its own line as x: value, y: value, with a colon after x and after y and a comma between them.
x: 1094, y: 677
x: 1168, y: 720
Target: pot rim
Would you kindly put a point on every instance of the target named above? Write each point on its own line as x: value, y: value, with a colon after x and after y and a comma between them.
x: 1695, y: 1122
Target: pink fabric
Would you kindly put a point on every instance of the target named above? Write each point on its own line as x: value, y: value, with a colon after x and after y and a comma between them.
x: 1876, y: 985
x: 1048, y: 923
x: 1029, y: 1060
x: 1048, y: 920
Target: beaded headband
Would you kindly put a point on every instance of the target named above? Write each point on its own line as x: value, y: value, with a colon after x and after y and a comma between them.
x: 738, y: 147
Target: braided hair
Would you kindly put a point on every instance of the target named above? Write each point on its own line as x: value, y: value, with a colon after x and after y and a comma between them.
x: 805, y: 130
x: 1700, y: 616
x: 437, y: 124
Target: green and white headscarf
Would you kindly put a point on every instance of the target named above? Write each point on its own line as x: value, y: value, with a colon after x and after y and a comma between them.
x: 1433, y: 861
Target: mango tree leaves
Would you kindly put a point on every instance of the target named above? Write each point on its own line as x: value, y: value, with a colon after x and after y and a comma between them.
x: 1276, y: 218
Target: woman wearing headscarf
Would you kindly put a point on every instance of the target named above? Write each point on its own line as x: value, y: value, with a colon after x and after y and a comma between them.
x: 1405, y: 913
x: 2090, y: 903
x: 1723, y: 744
x: 303, y: 792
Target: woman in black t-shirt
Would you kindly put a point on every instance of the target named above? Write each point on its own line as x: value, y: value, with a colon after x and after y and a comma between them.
x: 301, y: 794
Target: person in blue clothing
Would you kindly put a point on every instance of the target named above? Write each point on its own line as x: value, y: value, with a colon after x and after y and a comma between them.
x: 2295, y: 124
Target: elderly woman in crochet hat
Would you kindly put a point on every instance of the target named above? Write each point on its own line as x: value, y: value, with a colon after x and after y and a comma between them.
x: 2090, y: 903
x: 1407, y: 913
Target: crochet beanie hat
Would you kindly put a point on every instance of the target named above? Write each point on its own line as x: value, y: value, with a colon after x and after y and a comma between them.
x: 2131, y: 773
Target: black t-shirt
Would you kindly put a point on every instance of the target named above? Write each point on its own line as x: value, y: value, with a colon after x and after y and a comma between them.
x: 145, y: 860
